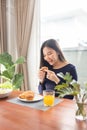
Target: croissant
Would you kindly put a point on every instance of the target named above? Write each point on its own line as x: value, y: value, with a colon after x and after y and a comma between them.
x: 29, y: 95
x: 44, y: 68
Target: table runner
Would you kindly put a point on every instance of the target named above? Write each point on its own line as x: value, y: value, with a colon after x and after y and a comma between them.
x: 37, y: 105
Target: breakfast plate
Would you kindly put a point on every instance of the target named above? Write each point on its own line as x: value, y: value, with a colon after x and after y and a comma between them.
x: 37, y: 97
x: 5, y: 92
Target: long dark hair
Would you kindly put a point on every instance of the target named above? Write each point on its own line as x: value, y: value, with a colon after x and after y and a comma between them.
x: 51, y: 43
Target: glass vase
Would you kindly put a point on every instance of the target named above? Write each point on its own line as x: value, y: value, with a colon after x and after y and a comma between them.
x: 81, y: 111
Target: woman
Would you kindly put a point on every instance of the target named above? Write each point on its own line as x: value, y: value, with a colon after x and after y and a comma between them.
x: 52, y: 62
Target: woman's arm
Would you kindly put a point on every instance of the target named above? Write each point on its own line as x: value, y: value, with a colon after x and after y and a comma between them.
x: 41, y: 87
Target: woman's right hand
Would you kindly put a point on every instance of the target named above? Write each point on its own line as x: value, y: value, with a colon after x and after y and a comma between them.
x: 41, y: 75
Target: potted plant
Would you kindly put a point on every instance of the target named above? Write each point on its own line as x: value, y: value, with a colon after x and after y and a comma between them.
x: 72, y: 87
x: 11, y: 79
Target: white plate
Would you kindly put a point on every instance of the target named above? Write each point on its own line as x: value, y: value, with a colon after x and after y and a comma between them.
x: 37, y: 97
x: 5, y: 92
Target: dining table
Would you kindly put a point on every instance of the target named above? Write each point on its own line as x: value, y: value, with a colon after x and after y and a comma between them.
x: 20, y: 117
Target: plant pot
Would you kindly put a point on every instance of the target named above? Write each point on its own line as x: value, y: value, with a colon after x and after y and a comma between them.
x: 81, y: 112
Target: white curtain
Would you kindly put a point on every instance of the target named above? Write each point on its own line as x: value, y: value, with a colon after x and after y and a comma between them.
x: 34, y: 49
x: 11, y: 29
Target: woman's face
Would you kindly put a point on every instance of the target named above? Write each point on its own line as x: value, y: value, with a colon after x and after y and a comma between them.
x: 50, y: 55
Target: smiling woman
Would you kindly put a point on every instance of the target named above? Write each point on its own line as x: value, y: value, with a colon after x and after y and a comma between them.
x: 53, y: 58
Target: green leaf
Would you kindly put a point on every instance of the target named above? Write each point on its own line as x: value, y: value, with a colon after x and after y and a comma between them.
x: 68, y: 87
x: 6, y: 85
x: 85, y: 87
x: 17, y: 80
x: 8, y: 74
x: 67, y: 91
x: 76, y: 86
x: 68, y: 77
x: 20, y: 60
x: 61, y: 86
x: 6, y: 60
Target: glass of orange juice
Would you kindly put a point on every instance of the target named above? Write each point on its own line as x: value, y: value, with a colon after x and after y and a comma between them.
x: 48, y: 97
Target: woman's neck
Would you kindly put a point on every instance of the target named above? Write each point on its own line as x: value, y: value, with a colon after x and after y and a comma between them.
x: 60, y: 64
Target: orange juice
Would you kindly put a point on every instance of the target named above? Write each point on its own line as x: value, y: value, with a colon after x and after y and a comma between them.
x: 49, y: 96
x: 49, y: 100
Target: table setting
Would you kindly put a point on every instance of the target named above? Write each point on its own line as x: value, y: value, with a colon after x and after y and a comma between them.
x: 37, y: 102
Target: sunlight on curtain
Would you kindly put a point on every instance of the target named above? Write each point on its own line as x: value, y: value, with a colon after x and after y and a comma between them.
x: 11, y: 29
x: 24, y: 11
x: 34, y: 49
x: 33, y: 39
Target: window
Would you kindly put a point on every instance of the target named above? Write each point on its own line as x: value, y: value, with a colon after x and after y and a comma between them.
x: 64, y: 20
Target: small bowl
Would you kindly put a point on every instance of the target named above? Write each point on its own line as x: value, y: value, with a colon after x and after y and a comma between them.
x: 5, y: 92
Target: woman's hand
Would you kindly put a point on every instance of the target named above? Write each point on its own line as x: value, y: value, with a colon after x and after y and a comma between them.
x: 41, y: 75
x: 52, y: 76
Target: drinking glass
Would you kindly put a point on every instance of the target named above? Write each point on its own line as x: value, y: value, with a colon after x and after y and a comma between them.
x: 48, y: 97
